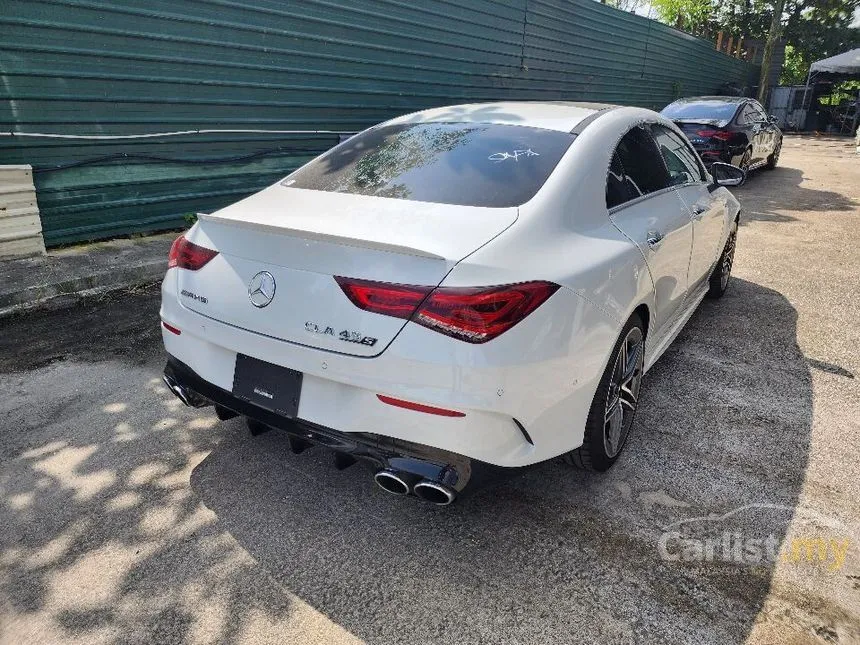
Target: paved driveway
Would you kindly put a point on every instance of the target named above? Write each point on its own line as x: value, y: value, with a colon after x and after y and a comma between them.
x: 125, y: 517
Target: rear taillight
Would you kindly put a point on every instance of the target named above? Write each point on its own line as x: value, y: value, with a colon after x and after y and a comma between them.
x: 471, y: 314
x: 187, y: 255
x: 398, y: 300
x: 722, y: 135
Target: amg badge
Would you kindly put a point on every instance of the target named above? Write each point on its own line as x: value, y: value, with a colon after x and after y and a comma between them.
x: 194, y: 296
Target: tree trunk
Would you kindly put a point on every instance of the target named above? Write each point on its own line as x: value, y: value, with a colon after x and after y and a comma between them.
x: 772, y: 38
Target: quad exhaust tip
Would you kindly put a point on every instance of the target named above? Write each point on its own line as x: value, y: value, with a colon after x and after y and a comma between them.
x: 392, y: 482
x: 402, y: 483
x: 177, y: 389
x: 434, y: 492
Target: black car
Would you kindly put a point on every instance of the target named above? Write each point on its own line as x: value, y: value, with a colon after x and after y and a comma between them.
x: 731, y: 129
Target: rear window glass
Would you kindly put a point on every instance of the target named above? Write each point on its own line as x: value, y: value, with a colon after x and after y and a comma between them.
x: 711, y: 110
x: 469, y: 164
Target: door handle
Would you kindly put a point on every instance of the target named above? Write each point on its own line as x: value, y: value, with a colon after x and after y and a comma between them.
x: 699, y: 211
x: 654, y: 238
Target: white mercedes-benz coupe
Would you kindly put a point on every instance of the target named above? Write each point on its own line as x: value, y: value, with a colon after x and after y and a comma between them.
x: 461, y: 287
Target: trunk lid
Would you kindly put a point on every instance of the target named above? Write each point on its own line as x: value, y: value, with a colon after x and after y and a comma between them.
x: 303, y: 238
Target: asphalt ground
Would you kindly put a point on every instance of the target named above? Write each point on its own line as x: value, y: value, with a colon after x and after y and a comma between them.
x: 126, y: 517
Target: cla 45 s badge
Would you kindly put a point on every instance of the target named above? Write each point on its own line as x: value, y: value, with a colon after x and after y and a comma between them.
x: 345, y: 335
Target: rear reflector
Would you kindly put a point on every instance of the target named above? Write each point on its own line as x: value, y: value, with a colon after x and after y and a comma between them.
x: 187, y: 255
x: 722, y: 135
x: 418, y: 407
x: 471, y: 314
x: 171, y: 328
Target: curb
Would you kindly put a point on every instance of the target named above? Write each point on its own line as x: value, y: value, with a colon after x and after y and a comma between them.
x: 72, y: 290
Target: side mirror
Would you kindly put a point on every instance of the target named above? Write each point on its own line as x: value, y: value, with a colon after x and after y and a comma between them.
x: 773, y: 119
x: 725, y: 174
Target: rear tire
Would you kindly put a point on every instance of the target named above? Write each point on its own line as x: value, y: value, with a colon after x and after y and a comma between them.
x: 719, y: 280
x: 614, y: 406
x: 773, y: 159
x: 746, y: 160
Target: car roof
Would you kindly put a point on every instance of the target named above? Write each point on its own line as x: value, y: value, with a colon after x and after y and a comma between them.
x: 714, y: 99
x: 563, y: 116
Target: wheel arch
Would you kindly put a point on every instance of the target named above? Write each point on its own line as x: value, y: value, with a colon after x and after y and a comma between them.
x: 644, y: 313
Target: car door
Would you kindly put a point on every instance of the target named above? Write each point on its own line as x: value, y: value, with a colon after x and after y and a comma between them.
x: 768, y: 130
x: 644, y: 206
x: 755, y: 128
x: 707, y: 213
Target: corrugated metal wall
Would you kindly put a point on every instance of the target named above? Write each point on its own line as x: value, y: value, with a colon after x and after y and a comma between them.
x: 148, y: 66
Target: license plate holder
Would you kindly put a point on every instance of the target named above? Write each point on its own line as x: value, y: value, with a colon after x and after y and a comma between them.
x: 269, y: 386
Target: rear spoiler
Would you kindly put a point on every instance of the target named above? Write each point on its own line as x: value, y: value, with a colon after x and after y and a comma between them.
x: 322, y: 237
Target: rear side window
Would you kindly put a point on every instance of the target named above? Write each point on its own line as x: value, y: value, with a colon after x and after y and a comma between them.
x: 759, y: 110
x: 707, y: 110
x: 637, y: 168
x: 681, y: 161
x: 470, y: 164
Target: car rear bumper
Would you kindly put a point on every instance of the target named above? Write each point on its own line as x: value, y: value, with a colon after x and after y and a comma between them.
x: 711, y: 155
x: 380, y: 452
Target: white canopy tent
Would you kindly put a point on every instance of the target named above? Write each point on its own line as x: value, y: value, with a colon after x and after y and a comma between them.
x: 842, y: 66
x: 847, y: 63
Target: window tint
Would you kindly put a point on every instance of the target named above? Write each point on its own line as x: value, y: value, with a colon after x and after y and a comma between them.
x: 715, y: 110
x: 616, y: 189
x: 760, y: 113
x: 681, y: 161
x: 637, y: 168
x: 750, y: 115
x: 471, y: 164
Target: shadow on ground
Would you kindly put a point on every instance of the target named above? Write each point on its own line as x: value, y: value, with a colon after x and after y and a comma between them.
x: 769, y: 195
x: 553, y: 555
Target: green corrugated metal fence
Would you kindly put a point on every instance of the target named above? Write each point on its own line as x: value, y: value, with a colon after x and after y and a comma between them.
x: 150, y: 66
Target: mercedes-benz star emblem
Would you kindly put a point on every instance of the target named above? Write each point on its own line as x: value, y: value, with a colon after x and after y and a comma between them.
x: 261, y: 289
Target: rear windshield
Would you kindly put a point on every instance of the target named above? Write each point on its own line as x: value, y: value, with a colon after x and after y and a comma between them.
x: 710, y: 110
x: 469, y: 164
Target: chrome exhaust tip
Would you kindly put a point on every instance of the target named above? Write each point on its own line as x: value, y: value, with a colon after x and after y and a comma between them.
x: 177, y: 389
x: 392, y: 482
x: 434, y: 492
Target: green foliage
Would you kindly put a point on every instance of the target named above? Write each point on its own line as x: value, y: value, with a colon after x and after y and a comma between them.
x: 812, y: 29
x: 842, y: 91
x: 190, y: 218
x: 693, y: 16
x: 795, y: 68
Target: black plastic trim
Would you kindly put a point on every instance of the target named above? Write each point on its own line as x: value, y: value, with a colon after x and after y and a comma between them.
x: 526, y: 435
x: 579, y: 127
x: 379, y: 451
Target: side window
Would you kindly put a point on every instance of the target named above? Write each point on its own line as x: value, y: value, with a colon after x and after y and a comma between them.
x: 743, y: 115
x: 616, y: 188
x: 751, y: 114
x: 760, y: 113
x: 637, y: 168
x: 681, y: 161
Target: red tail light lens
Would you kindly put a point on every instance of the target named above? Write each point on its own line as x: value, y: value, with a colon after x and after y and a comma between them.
x: 722, y: 135
x: 187, y: 255
x: 471, y: 314
x: 398, y: 300
x: 479, y: 314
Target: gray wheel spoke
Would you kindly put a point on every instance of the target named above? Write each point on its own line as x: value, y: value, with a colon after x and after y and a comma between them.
x: 631, y: 365
x: 628, y: 397
x: 612, y: 409
x: 623, y: 391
